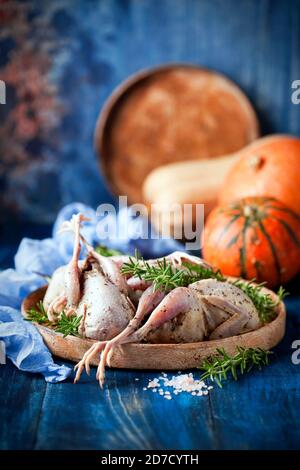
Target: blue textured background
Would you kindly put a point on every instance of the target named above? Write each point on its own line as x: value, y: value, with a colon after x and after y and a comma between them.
x: 95, y: 45
x: 83, y: 52
x: 91, y: 48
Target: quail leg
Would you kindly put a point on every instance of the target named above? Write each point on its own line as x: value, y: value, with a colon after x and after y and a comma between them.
x: 177, y: 301
x: 148, y: 301
x: 72, y: 275
x: 70, y: 295
x: 56, y: 306
x: 110, y: 267
x: 87, y: 357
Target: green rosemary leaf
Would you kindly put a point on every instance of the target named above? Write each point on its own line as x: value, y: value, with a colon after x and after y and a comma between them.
x: 218, y: 381
x: 105, y: 251
x: 233, y: 371
x: 165, y: 276
x: 201, y: 272
x: 38, y: 314
x: 65, y: 325
x: 264, y: 303
x: 68, y: 325
x: 217, y: 367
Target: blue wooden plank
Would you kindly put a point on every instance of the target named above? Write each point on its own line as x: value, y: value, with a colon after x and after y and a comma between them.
x: 258, y: 412
x: 123, y: 416
x: 21, y: 398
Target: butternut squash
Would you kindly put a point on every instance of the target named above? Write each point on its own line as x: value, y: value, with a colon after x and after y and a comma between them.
x: 189, y: 182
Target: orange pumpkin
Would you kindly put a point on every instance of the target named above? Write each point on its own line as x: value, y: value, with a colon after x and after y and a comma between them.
x: 268, y: 167
x: 254, y: 238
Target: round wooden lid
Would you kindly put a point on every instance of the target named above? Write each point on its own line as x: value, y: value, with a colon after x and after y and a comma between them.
x: 169, y: 114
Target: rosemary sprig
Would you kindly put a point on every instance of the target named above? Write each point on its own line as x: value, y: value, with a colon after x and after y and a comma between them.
x: 38, y: 314
x: 166, y: 277
x: 264, y: 303
x: 65, y: 325
x: 68, y: 325
x: 105, y: 251
x: 198, y: 272
x: 218, y: 366
x: 162, y: 274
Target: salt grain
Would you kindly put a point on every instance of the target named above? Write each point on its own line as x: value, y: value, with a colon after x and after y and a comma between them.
x: 153, y: 383
x: 177, y: 384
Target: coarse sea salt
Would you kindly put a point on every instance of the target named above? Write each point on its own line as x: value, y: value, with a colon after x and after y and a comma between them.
x: 167, y: 387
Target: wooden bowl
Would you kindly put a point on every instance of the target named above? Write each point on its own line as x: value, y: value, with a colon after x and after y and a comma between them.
x: 159, y: 356
x: 169, y: 114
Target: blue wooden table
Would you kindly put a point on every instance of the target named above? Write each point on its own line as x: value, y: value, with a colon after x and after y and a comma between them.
x: 261, y: 411
x: 97, y: 44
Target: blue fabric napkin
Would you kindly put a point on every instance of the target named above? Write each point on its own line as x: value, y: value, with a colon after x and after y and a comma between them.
x: 19, y: 339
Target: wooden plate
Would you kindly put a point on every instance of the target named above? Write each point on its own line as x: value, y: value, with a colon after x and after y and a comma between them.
x: 169, y: 114
x: 159, y: 356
